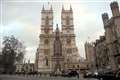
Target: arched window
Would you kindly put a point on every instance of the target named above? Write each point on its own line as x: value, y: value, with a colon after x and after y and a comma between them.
x: 67, y: 20
x: 78, y: 66
x: 46, y: 61
x: 69, y: 51
x: 69, y: 41
x: 46, y: 42
x: 73, y: 66
x: 47, y: 20
x: 46, y: 51
x: 118, y: 60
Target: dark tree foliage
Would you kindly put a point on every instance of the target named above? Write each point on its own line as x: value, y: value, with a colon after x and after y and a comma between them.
x: 13, y: 52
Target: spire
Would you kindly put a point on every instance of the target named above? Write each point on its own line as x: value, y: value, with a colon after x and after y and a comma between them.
x: 51, y: 8
x: 62, y: 8
x: 43, y: 8
x: 70, y: 8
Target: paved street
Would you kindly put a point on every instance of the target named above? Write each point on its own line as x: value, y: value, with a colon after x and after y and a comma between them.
x: 16, y: 77
x: 21, y: 77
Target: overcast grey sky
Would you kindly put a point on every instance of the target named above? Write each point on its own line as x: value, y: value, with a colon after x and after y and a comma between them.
x: 22, y: 18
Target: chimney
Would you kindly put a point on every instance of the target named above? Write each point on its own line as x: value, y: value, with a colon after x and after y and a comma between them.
x: 115, y: 9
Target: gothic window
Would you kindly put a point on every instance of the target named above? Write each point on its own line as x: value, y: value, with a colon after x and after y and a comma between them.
x: 26, y: 67
x: 67, y: 20
x: 68, y: 31
x: 68, y: 41
x: 46, y: 30
x: 78, y: 66
x: 47, y: 20
x: 73, y: 66
x: 46, y: 61
x: 46, y: 42
x: 68, y: 60
x: 118, y: 60
x: 69, y: 51
x: 30, y: 70
x: 46, y: 51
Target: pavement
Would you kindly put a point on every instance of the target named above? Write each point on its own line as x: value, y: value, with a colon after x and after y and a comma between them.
x: 31, y: 77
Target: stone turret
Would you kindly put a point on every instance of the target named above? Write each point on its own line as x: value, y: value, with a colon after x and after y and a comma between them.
x: 105, y: 18
x: 115, y: 9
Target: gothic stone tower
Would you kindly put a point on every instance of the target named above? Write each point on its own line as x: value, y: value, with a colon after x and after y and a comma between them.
x: 70, y: 50
x: 45, y: 50
x: 46, y: 59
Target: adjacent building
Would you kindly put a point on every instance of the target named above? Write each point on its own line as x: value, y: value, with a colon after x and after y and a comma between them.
x: 107, y: 47
x: 25, y: 68
x: 90, y: 56
x: 101, y: 53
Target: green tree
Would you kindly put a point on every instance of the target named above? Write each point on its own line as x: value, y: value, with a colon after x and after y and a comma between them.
x: 13, y: 52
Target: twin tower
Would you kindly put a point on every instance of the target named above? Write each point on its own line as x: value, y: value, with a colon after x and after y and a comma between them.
x: 57, y: 50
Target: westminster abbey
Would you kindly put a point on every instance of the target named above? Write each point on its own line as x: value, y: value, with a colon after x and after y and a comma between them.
x: 57, y: 49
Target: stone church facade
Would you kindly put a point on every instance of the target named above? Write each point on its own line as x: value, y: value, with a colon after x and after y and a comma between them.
x: 57, y: 49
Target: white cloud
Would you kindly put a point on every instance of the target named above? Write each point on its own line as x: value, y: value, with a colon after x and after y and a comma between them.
x: 30, y: 53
